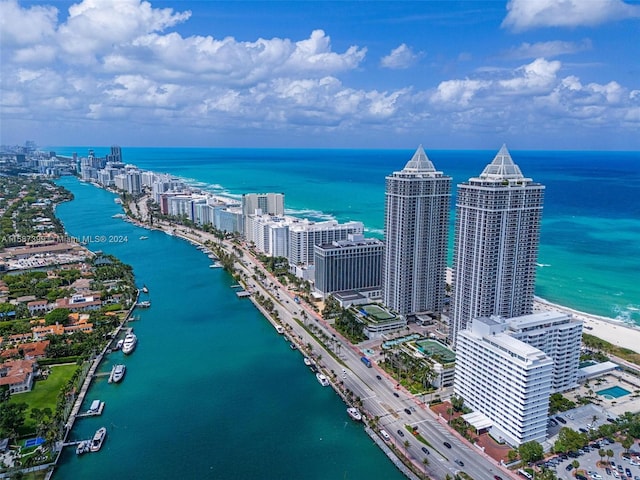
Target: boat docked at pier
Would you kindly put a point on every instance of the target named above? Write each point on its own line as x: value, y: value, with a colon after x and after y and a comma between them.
x: 98, y: 439
x: 324, y: 381
x: 354, y: 413
x: 83, y: 447
x: 130, y: 342
x: 117, y: 373
x: 145, y: 304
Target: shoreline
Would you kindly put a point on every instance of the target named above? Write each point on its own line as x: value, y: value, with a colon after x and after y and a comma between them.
x: 616, y: 332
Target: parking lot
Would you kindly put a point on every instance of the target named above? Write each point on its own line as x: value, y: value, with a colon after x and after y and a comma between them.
x: 588, y: 462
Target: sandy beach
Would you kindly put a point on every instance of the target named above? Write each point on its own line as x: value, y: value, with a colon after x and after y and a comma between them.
x: 608, y: 329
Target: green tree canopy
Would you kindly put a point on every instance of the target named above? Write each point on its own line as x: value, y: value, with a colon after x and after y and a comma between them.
x: 531, y: 451
x: 57, y: 315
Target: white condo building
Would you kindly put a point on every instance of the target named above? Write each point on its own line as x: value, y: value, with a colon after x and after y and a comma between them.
x: 305, y: 234
x: 497, y: 233
x: 416, y: 230
x: 505, y: 379
x: 558, y: 335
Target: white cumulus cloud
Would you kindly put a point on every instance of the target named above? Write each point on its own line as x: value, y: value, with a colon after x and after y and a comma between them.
x: 399, y: 58
x: 528, y: 14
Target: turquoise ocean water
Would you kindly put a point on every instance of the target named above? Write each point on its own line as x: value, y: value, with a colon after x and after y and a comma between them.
x: 212, y: 391
x: 590, y: 243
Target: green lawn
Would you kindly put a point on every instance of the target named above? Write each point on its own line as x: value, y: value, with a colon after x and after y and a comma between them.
x: 45, y: 392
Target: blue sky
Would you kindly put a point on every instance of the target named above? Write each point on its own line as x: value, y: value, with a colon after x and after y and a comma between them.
x: 536, y: 74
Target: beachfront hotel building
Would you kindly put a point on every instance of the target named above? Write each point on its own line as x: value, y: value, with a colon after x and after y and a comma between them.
x: 558, y: 335
x: 497, y: 232
x: 261, y: 204
x: 304, y: 235
x: 416, y: 231
x: 353, y: 264
x: 505, y: 381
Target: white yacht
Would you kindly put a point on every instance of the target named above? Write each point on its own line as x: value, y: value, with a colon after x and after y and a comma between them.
x: 354, y: 413
x: 98, y: 439
x: 322, y: 379
x: 130, y: 342
x: 117, y: 373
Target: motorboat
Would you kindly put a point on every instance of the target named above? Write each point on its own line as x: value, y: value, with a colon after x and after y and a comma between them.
x: 82, y: 447
x: 322, y: 379
x: 354, y: 413
x: 98, y: 439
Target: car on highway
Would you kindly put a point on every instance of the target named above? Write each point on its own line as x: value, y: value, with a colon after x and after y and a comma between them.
x: 425, y: 450
x: 459, y: 462
x: 401, y: 433
x: 407, y: 411
x: 447, y: 444
x: 396, y: 394
x: 378, y: 377
x: 497, y: 477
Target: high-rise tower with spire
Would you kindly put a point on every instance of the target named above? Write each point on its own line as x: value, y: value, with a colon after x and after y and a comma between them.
x: 416, y: 231
x: 497, y: 233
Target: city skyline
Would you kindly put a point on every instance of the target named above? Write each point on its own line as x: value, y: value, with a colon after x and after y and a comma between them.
x: 549, y: 75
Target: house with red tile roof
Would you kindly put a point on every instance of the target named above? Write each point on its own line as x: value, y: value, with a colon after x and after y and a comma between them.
x: 18, y: 375
x: 37, y: 307
x: 80, y: 303
x: 30, y: 350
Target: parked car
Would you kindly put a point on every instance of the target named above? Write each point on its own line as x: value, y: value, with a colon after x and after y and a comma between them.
x: 569, y: 467
x: 561, y: 420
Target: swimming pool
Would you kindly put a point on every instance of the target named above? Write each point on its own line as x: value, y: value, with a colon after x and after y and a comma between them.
x: 613, y: 392
x: 33, y: 442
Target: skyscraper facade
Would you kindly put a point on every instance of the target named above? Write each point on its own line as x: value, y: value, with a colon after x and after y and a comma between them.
x: 350, y: 264
x: 497, y: 233
x: 416, y: 231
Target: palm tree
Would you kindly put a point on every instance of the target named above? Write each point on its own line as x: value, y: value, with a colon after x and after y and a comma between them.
x: 603, y: 453
x: 610, y: 454
x: 449, y: 414
x: 425, y: 463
